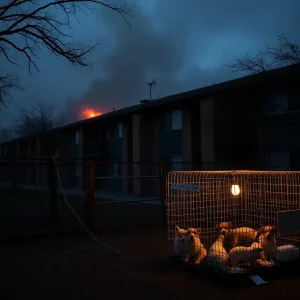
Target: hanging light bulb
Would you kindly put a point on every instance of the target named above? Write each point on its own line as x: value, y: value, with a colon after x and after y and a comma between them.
x: 235, y: 190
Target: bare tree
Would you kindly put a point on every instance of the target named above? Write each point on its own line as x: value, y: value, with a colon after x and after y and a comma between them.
x: 28, y: 26
x: 6, y: 134
x: 40, y: 118
x: 249, y: 64
x: 7, y: 83
x: 285, y: 53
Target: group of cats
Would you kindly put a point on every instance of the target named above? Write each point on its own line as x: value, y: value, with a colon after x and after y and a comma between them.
x: 238, y: 248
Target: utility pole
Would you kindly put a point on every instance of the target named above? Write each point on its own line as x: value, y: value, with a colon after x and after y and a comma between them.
x: 151, y: 83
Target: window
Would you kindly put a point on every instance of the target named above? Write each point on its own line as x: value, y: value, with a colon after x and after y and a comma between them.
x: 173, y: 120
x: 277, y: 104
x: 116, y: 131
x: 173, y: 163
x: 77, y: 135
x: 177, y: 163
x: 278, y: 160
x: 78, y: 170
x: 176, y: 120
x: 116, y: 169
x: 294, y: 99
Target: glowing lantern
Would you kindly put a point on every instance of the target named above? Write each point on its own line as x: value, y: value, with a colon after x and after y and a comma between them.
x: 235, y: 190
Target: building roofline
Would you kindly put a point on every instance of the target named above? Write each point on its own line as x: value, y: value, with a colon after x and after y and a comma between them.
x: 200, y: 92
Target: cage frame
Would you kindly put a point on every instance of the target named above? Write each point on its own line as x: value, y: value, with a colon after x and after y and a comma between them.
x: 287, y: 183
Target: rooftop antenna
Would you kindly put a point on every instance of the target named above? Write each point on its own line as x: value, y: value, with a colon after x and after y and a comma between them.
x: 151, y: 83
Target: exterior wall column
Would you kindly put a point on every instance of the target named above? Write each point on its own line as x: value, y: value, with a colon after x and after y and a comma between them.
x: 18, y: 149
x: 143, y: 151
x: 187, y: 153
x: 15, y: 165
x: 5, y: 150
x: 207, y: 132
x: 80, y: 168
x: 125, y: 159
x: 29, y: 164
x: 18, y: 161
x: 156, y: 153
x: 37, y: 166
x: 136, y: 122
x: 261, y: 146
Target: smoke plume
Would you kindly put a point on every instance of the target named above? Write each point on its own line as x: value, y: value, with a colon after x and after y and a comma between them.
x: 137, y: 57
x: 184, y: 45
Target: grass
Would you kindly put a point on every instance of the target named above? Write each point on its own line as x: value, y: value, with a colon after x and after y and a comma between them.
x: 118, y: 215
x: 24, y: 211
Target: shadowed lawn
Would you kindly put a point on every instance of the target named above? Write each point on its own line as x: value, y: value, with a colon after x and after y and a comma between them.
x: 24, y: 211
x: 124, y: 215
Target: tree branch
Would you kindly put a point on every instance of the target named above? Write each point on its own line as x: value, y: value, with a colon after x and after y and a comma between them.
x: 38, y: 28
x: 284, y: 53
x: 249, y: 64
x: 5, y: 134
x: 8, y: 83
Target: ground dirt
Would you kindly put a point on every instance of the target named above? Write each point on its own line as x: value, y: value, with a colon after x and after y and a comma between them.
x: 74, y: 266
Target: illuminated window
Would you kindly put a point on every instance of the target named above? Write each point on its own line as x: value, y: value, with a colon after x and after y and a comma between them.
x: 116, y: 131
x: 116, y: 169
x: 173, y: 120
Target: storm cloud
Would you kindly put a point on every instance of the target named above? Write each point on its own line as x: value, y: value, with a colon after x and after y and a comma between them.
x: 183, y: 44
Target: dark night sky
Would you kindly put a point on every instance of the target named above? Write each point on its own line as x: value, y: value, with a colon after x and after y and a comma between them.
x: 184, y: 44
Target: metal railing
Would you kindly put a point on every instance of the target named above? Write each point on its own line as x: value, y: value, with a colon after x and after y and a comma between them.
x: 95, y: 188
x: 139, y: 182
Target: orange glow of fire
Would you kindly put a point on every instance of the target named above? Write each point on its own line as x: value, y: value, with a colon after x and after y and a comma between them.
x: 91, y: 113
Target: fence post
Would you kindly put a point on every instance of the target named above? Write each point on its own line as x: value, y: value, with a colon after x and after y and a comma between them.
x: 90, y: 193
x: 162, y: 192
x: 92, y: 196
x: 14, y: 175
x: 87, y: 190
x: 52, y: 188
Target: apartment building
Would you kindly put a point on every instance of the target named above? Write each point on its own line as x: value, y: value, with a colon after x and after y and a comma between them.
x: 247, y: 123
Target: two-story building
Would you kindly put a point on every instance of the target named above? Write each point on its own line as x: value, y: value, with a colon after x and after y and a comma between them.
x: 247, y: 123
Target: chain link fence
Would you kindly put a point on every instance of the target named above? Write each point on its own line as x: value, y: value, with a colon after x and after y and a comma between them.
x: 105, y: 195
x: 32, y: 200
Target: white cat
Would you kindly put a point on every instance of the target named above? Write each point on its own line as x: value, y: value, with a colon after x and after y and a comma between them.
x: 193, y: 246
x: 179, y: 245
x: 217, y: 255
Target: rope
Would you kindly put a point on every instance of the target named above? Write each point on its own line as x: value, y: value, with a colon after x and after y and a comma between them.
x: 75, y: 214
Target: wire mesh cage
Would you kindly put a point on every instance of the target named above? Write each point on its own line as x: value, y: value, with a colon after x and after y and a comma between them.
x: 234, y: 220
